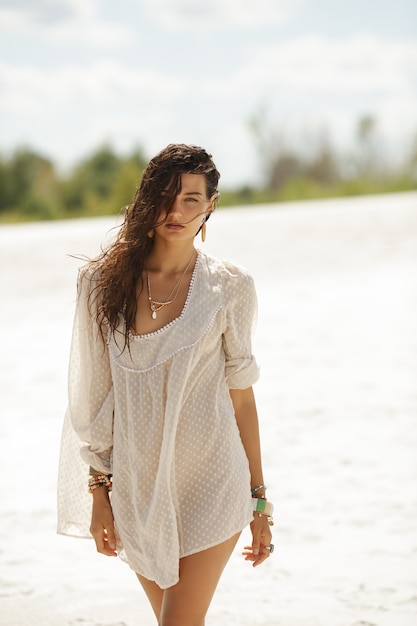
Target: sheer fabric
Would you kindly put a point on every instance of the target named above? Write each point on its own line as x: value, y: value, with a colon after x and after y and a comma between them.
x: 160, y: 419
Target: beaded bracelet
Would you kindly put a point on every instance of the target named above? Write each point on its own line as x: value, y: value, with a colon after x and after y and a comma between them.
x: 255, y: 489
x: 100, y: 480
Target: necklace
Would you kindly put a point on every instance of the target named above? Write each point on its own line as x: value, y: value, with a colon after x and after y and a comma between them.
x: 155, y: 305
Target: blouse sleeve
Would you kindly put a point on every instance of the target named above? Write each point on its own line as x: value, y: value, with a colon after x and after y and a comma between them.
x: 90, y: 389
x: 87, y: 433
x: 241, y: 369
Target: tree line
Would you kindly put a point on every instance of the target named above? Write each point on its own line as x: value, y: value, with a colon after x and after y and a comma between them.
x: 309, y: 166
x: 31, y: 188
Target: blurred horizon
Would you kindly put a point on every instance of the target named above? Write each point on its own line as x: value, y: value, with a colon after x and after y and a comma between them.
x: 81, y: 74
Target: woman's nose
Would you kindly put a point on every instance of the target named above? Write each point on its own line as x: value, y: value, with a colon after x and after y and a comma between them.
x: 176, y: 208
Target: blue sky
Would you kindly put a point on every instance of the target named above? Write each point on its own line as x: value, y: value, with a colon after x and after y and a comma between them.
x: 77, y: 73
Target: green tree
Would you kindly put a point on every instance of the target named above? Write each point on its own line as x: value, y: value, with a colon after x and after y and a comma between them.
x: 369, y: 158
x: 4, y: 186
x: 28, y: 182
x: 103, y: 183
x: 91, y: 180
x: 323, y: 167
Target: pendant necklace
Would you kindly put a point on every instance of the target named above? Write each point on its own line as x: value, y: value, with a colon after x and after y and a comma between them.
x: 157, y: 306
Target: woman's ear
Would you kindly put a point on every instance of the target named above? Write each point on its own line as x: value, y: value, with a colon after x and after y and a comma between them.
x: 212, y: 205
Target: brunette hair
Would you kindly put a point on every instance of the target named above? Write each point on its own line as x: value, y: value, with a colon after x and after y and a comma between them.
x: 115, y: 272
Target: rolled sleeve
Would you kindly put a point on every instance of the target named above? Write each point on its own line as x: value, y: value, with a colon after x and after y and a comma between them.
x: 241, y: 368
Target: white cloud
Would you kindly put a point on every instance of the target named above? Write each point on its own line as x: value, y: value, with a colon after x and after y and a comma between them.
x: 317, y: 66
x: 221, y: 14
x: 33, y: 91
x: 397, y: 118
x: 47, y: 12
x: 125, y: 130
x: 306, y: 74
x: 61, y: 21
x: 90, y: 33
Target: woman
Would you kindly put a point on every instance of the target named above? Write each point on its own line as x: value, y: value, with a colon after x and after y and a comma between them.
x: 160, y: 397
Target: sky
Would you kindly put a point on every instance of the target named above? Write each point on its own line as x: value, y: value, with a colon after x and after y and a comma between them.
x: 76, y: 74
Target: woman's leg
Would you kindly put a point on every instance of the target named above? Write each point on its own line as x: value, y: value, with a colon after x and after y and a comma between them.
x: 154, y: 594
x: 187, y: 602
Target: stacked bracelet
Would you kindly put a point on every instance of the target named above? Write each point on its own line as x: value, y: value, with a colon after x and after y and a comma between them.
x: 99, y: 480
x: 263, y: 507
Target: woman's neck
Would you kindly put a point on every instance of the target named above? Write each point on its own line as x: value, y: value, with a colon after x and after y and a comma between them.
x: 169, y: 259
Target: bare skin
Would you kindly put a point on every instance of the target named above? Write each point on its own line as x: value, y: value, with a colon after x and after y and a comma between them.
x: 171, y: 252
x: 187, y: 602
x: 102, y: 523
x: 247, y: 420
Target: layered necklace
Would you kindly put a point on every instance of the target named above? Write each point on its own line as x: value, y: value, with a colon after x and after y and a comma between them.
x: 157, y: 306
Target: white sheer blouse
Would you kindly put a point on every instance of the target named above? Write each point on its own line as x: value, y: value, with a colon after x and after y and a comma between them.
x: 160, y: 419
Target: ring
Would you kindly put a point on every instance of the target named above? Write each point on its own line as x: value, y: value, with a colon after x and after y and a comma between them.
x: 271, y: 548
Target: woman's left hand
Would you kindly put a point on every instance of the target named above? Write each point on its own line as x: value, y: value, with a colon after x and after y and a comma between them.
x: 261, y: 537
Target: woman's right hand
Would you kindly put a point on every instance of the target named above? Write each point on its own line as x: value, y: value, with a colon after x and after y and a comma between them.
x: 102, y: 522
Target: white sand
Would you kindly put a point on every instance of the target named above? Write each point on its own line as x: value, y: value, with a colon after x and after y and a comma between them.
x: 337, y: 342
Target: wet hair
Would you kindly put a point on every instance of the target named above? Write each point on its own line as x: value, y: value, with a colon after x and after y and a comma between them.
x: 118, y: 268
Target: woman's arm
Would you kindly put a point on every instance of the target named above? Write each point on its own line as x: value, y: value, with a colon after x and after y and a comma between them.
x: 102, y: 523
x: 247, y: 420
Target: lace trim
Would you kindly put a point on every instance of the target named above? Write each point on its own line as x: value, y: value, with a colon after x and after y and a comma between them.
x: 171, y: 354
x: 136, y: 337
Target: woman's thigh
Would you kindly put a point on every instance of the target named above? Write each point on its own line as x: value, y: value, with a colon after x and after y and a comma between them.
x: 187, y: 602
x: 154, y: 594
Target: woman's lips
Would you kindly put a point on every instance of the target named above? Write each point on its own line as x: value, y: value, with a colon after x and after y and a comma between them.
x: 174, y: 226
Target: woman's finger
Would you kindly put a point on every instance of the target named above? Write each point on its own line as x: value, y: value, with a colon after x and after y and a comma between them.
x: 105, y: 539
x: 258, y: 558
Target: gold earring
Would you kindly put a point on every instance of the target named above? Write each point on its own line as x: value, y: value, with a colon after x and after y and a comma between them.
x: 151, y: 233
x: 203, y: 232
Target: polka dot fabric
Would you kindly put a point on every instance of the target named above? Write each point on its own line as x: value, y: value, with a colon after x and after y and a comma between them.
x: 160, y: 418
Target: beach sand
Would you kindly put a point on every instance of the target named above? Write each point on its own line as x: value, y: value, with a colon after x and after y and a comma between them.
x: 337, y: 398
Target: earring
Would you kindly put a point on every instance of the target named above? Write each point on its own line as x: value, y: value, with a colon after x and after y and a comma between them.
x: 151, y: 233
x: 203, y: 232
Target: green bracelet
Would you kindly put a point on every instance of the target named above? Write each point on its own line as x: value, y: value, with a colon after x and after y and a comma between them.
x: 263, y: 507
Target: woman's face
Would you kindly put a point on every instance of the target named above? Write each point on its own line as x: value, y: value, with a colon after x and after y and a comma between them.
x: 189, y: 210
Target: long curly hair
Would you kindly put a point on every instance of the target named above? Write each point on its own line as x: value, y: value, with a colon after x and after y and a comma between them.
x: 116, y: 271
